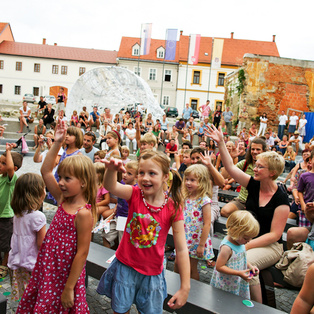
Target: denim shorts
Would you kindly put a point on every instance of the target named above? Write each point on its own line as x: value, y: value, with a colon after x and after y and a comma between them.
x: 125, y: 286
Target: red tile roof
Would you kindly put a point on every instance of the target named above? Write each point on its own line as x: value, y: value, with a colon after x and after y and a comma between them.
x: 58, y: 52
x: 233, y: 49
x: 2, y: 26
x: 125, y: 50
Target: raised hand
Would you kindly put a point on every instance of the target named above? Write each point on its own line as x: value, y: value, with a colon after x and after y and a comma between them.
x: 60, y: 132
x: 214, y: 134
x: 114, y: 164
x: 206, y: 158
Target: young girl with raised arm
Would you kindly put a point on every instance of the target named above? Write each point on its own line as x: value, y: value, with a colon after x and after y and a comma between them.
x: 29, y: 229
x: 113, y: 142
x: 136, y: 274
x: 197, y: 215
x: 57, y: 284
x: 232, y: 271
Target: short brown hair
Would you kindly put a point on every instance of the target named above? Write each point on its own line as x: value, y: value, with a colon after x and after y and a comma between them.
x: 28, y: 194
x: 17, y: 159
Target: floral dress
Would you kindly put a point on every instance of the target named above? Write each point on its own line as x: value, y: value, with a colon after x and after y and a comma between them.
x: 52, y: 269
x: 193, y: 225
x: 230, y: 283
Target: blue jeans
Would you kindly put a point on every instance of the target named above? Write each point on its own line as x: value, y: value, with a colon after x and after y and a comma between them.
x: 281, y: 129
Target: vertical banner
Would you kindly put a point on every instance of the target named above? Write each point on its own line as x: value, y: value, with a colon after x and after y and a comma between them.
x: 194, y: 48
x: 146, y: 34
x: 217, y: 53
x: 171, y: 44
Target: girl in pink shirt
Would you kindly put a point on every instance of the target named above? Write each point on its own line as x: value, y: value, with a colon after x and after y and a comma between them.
x: 136, y: 274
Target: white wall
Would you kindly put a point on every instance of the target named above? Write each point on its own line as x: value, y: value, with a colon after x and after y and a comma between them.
x: 28, y: 79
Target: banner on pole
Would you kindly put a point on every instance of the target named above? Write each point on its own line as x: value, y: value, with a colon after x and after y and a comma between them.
x: 171, y: 44
x: 217, y: 53
x: 194, y: 48
x: 146, y: 35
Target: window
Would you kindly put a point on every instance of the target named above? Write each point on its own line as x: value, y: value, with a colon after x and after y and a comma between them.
x: 167, y: 76
x: 136, y: 50
x: 1, y: 88
x: 194, y: 103
x: 64, y: 70
x: 1, y: 64
x: 166, y: 100
x: 137, y: 71
x: 36, y: 91
x: 196, y: 77
x: 221, y: 79
x: 18, y: 66
x: 160, y: 54
x: 55, y: 69
x: 82, y: 70
x: 152, y: 74
x: 36, y: 67
x: 17, y: 90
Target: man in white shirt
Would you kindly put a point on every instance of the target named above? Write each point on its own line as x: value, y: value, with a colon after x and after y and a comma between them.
x: 269, y: 141
x: 282, y: 124
x: 293, y: 122
x: 88, y: 148
x: 296, y: 141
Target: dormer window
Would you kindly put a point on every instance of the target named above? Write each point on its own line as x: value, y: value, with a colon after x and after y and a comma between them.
x: 136, y: 50
x: 160, y: 53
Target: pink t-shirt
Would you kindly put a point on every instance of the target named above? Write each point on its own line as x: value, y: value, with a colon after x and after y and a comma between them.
x: 100, y: 194
x: 205, y: 110
x: 143, y: 243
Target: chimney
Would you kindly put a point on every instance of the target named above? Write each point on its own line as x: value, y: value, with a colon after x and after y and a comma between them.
x: 55, y: 44
x: 181, y: 33
x: 44, y: 41
x: 274, y: 38
x: 232, y: 35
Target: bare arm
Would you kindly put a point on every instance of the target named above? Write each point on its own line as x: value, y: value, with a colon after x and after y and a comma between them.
x: 205, y: 231
x: 218, y: 179
x: 84, y: 225
x: 227, y: 161
x: 110, y: 179
x: 277, y: 228
x: 9, y: 161
x: 182, y: 259
x: 40, y: 236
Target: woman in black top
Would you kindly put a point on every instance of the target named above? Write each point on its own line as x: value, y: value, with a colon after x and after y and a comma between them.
x: 266, y: 200
x: 217, y: 116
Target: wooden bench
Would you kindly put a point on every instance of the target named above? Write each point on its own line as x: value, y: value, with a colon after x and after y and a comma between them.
x: 203, y: 298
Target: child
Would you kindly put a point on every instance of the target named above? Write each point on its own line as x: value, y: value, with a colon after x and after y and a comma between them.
x: 197, y: 215
x: 200, y: 132
x: 99, y: 155
x: 103, y: 196
x: 232, y: 271
x: 9, y: 163
x: 113, y: 141
x: 129, y: 177
x: 140, y: 255
x: 58, y: 279
x: 29, y: 229
x: 125, y: 152
x: 74, y: 119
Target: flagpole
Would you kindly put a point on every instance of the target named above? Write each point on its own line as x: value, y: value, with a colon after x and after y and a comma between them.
x: 139, y: 54
x: 210, y: 68
x: 187, y: 66
x: 162, y: 74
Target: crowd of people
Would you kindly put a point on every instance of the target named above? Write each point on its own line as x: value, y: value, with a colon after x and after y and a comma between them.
x: 168, y: 183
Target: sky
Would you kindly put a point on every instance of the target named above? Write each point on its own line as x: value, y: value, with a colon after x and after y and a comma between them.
x: 100, y: 24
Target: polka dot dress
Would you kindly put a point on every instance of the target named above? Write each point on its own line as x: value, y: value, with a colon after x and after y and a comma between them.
x: 43, y: 293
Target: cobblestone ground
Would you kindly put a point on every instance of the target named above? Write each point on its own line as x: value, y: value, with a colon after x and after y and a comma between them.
x: 101, y: 304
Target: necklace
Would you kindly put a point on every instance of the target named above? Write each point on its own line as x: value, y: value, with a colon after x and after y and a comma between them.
x: 152, y: 209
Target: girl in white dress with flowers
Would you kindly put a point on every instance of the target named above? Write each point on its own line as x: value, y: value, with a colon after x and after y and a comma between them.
x: 197, y: 188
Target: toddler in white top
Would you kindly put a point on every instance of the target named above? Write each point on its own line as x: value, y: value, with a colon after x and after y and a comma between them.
x: 29, y: 229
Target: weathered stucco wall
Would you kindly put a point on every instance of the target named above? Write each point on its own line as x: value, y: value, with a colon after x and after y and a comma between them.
x: 272, y: 84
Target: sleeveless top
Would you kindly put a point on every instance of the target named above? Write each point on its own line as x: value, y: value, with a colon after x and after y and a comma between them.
x: 40, y: 129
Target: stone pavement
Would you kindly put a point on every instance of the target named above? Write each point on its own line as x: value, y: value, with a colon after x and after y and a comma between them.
x: 101, y: 304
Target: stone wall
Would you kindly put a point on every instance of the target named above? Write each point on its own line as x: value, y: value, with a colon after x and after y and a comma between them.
x: 271, y: 84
